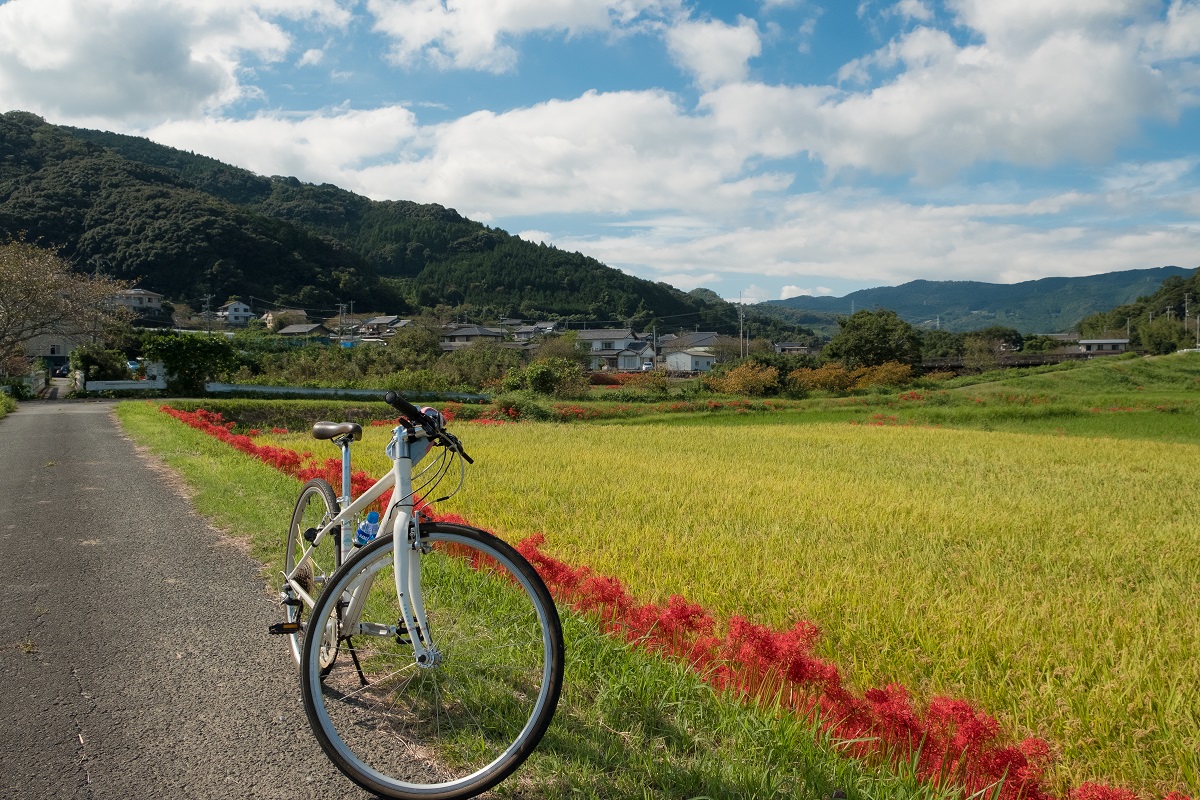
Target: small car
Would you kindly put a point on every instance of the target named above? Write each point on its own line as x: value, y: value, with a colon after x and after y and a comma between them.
x: 62, y: 372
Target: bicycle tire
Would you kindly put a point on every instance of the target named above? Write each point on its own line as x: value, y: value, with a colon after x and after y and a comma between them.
x: 316, y: 505
x: 458, y: 728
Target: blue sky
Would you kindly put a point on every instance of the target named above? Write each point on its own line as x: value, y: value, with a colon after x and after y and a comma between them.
x: 758, y: 149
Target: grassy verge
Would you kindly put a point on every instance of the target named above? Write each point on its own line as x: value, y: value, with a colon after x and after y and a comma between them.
x: 629, y: 725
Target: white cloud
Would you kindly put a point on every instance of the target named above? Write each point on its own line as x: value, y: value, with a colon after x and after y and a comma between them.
x: 953, y: 106
x: 689, y: 280
x: 477, y: 34
x: 327, y: 147
x: 1178, y: 36
x: 914, y: 9
x: 791, y: 290
x: 1015, y: 25
x: 857, y: 237
x: 134, y: 60
x: 537, y: 237
x: 600, y: 153
x: 1151, y: 177
x: 311, y: 57
x: 713, y: 51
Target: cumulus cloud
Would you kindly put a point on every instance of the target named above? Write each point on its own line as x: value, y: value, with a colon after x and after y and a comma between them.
x: 798, y: 291
x: 914, y: 9
x: 871, y: 240
x: 311, y: 57
x: 140, y: 59
x: 714, y: 52
x: 950, y: 106
x: 600, y: 153
x: 327, y: 147
x: 479, y: 34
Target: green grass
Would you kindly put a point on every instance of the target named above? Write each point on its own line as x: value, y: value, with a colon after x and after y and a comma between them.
x: 629, y: 725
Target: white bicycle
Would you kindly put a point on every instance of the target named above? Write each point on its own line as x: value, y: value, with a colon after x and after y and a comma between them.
x: 431, y: 659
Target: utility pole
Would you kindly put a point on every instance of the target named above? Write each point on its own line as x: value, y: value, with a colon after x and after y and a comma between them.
x: 741, y: 329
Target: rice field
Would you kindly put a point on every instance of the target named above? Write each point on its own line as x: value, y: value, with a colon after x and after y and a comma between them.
x: 1051, y: 580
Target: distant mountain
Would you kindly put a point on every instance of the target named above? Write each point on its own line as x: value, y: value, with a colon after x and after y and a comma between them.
x: 198, y: 230
x: 1049, y: 305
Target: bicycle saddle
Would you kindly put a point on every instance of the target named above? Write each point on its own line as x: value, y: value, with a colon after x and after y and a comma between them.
x: 332, y: 430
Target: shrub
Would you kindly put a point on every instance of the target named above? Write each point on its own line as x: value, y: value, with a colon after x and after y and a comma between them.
x: 521, y: 405
x: 748, y: 379
x: 891, y: 374
x: 555, y: 377
x: 830, y: 377
x: 650, y: 382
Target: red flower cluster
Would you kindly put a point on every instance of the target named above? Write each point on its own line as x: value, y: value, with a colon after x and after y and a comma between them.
x: 284, y: 460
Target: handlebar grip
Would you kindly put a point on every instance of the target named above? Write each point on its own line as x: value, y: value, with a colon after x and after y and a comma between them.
x: 409, y: 410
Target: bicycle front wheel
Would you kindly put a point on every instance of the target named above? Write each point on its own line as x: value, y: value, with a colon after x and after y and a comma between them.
x: 458, y: 726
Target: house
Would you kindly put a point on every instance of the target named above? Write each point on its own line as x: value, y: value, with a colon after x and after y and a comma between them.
x: 690, y: 361
x: 697, y: 340
x: 53, y: 348
x: 307, y: 329
x: 1105, y: 347
x: 381, y: 327
x: 792, y: 349
x: 235, y: 312
x: 284, y: 316
x: 608, y: 344
x: 457, y: 337
x: 139, y: 300
x: 637, y: 356
x: 525, y: 333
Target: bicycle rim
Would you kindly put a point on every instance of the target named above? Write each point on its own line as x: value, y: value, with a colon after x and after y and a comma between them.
x: 458, y: 728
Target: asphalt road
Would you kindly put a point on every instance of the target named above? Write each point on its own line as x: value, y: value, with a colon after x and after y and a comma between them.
x: 134, y: 658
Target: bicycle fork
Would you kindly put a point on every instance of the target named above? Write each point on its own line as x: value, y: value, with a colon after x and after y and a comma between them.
x: 412, y: 627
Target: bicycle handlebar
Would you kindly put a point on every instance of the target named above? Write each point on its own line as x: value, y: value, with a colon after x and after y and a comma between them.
x: 432, y: 426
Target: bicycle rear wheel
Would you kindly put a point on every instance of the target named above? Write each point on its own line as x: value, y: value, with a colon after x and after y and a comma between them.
x: 462, y: 725
x: 316, y: 505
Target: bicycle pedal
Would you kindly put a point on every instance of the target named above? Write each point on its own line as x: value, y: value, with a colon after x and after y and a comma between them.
x: 284, y: 627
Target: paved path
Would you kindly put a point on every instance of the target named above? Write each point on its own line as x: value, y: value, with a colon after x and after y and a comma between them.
x: 134, y: 660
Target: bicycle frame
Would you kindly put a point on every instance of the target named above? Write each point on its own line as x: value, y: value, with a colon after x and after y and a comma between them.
x: 406, y: 448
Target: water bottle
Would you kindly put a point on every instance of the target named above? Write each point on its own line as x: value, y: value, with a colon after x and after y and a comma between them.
x: 367, y: 529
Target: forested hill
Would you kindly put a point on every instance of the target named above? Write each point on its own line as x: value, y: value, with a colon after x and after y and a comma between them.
x: 1049, y: 305
x: 189, y: 226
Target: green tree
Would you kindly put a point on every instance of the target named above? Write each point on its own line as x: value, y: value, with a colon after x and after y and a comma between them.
x: 869, y: 338
x: 40, y: 294
x: 1163, y: 335
x: 190, y: 359
x: 558, y: 377
x: 100, y: 363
